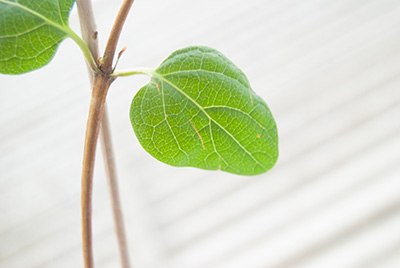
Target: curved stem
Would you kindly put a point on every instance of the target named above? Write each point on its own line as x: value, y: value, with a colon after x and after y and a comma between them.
x: 114, y: 35
x: 88, y: 27
x: 89, y: 35
x: 96, y: 108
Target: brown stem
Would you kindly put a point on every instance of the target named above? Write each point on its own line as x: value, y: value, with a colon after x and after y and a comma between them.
x: 99, y: 92
x: 108, y: 156
x: 114, y: 35
x: 89, y: 35
x: 107, y: 69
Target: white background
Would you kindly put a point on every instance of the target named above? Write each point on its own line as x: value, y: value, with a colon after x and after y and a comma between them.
x: 330, y: 72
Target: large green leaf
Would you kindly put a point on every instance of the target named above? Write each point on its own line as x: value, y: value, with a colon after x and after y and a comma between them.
x: 199, y: 110
x: 30, y: 32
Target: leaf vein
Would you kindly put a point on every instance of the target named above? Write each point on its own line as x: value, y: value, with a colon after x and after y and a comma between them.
x: 210, y: 118
x: 206, y: 71
x: 23, y: 33
x: 169, y: 126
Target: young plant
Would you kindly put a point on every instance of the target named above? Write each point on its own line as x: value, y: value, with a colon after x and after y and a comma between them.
x: 198, y: 110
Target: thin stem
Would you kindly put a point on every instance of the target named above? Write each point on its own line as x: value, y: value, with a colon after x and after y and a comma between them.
x: 105, y: 137
x: 99, y: 92
x: 89, y: 35
x: 114, y: 35
x: 88, y: 27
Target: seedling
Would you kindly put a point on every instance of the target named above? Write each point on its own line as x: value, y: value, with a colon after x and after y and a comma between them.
x: 198, y: 110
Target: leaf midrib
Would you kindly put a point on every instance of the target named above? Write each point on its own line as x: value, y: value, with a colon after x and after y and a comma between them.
x: 63, y: 27
x: 48, y: 21
x: 159, y: 76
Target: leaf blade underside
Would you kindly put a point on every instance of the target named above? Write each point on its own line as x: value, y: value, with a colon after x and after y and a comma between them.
x: 199, y: 110
x: 30, y: 32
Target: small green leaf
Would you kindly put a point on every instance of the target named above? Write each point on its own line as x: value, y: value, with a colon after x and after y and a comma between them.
x: 30, y: 32
x: 198, y: 110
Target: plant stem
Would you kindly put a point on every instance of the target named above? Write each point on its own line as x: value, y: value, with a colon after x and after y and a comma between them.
x: 105, y: 136
x: 88, y: 28
x: 107, y: 69
x: 114, y: 35
x: 99, y: 92
x: 89, y: 35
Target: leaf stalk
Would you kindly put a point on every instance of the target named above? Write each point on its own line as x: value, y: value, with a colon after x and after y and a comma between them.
x: 85, y: 50
x: 141, y: 70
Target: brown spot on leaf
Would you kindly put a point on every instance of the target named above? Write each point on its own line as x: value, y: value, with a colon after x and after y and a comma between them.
x: 198, y: 134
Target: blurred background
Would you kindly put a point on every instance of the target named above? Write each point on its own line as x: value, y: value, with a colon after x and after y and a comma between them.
x: 329, y: 71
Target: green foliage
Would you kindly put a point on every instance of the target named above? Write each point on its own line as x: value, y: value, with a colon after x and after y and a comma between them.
x: 30, y: 32
x: 199, y: 110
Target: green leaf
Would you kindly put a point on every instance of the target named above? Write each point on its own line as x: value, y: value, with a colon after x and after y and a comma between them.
x: 198, y: 110
x: 30, y: 32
